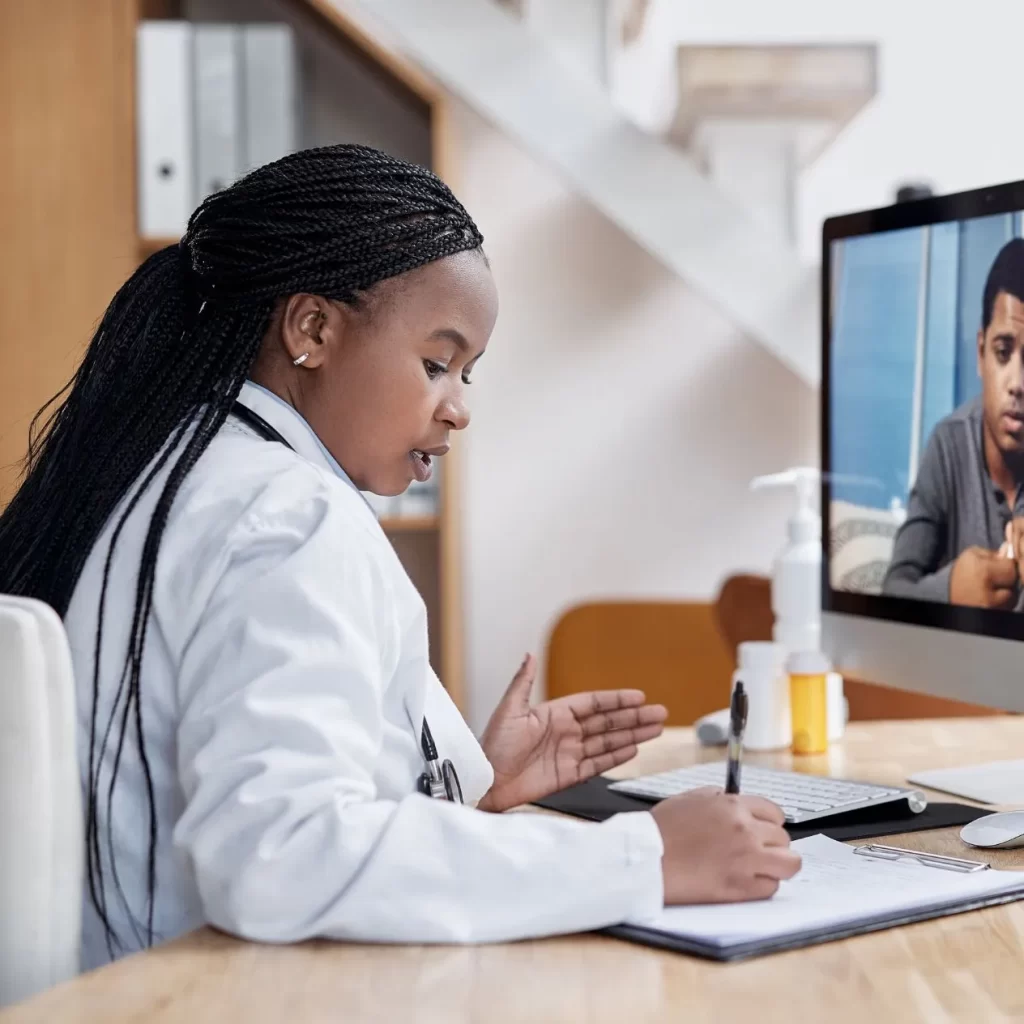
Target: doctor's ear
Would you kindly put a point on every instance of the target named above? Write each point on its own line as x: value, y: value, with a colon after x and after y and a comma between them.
x: 307, y: 329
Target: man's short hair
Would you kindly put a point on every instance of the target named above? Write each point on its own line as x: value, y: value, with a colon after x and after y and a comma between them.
x: 1005, y: 275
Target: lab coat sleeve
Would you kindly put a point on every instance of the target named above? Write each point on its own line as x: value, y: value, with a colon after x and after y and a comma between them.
x: 280, y: 690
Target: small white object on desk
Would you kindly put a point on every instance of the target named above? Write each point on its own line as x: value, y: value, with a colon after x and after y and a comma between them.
x: 713, y: 729
x: 996, y: 782
x: 1004, y: 830
x: 762, y: 667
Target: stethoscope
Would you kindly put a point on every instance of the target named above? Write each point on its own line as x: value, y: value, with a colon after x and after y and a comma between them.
x: 440, y: 780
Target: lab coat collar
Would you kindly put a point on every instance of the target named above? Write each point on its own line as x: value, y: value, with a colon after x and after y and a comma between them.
x: 293, y: 428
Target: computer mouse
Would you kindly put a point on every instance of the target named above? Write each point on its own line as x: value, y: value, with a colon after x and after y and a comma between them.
x: 1005, y: 830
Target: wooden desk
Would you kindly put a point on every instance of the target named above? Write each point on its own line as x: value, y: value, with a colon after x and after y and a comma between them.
x: 966, y: 968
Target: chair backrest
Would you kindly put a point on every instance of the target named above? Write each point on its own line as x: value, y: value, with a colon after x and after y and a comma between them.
x: 744, y: 612
x: 671, y: 650
x: 41, y: 840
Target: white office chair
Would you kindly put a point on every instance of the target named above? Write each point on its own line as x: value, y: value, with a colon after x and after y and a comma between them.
x: 41, y: 833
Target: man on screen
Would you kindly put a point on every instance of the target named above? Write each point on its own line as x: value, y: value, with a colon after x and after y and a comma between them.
x: 962, y: 541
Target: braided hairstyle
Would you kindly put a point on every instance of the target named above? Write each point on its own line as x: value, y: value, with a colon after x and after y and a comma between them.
x: 160, y: 376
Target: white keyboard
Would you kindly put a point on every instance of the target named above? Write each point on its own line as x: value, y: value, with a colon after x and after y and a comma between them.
x: 801, y: 797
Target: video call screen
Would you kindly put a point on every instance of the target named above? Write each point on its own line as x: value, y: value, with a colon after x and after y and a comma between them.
x: 926, y: 403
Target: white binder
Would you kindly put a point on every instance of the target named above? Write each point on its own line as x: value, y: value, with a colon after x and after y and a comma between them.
x: 270, y: 94
x: 166, y: 172
x: 217, y: 107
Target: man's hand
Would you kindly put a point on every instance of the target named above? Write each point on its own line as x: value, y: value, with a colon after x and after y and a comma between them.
x: 1014, y: 544
x: 983, y: 579
x: 535, y: 751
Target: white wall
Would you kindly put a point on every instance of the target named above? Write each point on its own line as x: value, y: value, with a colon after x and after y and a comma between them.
x: 617, y: 419
x: 947, y: 105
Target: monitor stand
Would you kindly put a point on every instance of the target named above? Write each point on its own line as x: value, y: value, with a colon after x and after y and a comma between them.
x: 997, y: 782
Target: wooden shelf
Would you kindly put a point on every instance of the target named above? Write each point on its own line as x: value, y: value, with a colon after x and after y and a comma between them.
x: 150, y: 245
x: 410, y: 524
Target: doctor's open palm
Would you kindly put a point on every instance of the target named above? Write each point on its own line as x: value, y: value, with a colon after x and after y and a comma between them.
x: 538, y: 750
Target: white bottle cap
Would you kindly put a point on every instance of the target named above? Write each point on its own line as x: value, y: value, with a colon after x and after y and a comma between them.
x: 808, y: 663
x: 762, y: 657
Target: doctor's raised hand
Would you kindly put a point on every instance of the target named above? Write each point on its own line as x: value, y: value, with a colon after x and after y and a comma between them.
x: 538, y: 750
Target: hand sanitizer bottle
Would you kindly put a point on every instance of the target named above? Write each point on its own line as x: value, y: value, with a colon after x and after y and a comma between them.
x: 796, y: 581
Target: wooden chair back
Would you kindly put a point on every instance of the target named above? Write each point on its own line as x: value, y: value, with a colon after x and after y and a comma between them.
x: 671, y: 650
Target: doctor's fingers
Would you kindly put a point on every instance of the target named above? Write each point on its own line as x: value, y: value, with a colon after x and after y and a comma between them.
x: 624, y: 718
x: 591, y: 766
x: 599, y: 702
x: 609, y: 742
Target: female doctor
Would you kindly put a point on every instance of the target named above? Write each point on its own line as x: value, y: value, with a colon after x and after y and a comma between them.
x: 263, y: 744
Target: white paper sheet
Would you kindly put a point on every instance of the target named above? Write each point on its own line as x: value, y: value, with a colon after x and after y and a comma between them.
x: 835, y: 887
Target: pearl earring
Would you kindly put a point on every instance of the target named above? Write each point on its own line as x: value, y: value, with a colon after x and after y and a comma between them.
x: 301, y: 359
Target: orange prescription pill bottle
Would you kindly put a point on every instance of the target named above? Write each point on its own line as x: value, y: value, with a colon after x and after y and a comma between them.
x: 808, y: 701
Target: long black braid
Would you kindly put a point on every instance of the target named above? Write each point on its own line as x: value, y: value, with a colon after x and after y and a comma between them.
x: 161, y: 374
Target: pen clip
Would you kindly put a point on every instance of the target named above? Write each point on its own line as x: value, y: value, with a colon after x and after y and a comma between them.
x: 878, y: 851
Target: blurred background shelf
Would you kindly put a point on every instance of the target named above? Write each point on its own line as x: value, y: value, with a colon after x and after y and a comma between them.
x: 410, y: 524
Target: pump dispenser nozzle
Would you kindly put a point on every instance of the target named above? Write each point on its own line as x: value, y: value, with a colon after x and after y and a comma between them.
x: 805, y: 524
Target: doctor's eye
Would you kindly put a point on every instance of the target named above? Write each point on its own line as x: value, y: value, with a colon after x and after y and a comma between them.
x: 434, y: 370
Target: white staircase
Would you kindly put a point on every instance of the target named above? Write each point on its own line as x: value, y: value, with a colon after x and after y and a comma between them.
x: 753, y: 116
x: 508, y: 73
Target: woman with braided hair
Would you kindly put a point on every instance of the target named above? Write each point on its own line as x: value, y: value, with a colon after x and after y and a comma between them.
x: 260, y: 730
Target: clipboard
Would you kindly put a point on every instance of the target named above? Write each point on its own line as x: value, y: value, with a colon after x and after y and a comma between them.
x: 1010, y: 888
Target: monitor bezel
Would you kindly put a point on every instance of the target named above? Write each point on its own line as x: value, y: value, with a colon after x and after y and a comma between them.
x: 982, y: 202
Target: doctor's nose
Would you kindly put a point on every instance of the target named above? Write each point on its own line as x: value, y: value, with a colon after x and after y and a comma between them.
x: 454, y: 412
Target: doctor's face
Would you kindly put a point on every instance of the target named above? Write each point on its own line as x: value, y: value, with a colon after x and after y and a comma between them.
x: 392, y: 382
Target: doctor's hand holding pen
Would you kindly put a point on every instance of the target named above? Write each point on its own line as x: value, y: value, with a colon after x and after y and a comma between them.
x: 719, y: 847
x: 722, y: 847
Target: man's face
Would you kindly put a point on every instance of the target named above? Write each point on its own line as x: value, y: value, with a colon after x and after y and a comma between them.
x: 1001, y: 368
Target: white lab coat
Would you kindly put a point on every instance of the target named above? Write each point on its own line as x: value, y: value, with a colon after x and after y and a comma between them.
x: 284, y: 682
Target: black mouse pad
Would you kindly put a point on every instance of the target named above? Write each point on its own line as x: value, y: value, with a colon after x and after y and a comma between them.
x: 594, y: 801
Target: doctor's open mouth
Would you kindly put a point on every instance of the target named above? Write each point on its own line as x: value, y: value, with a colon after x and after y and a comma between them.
x: 421, y: 460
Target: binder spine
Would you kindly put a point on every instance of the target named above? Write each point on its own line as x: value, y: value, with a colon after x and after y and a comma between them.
x: 217, y: 110
x: 270, y: 94
x: 165, y: 156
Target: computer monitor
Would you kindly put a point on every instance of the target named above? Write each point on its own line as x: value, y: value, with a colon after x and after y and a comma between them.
x: 922, y: 451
